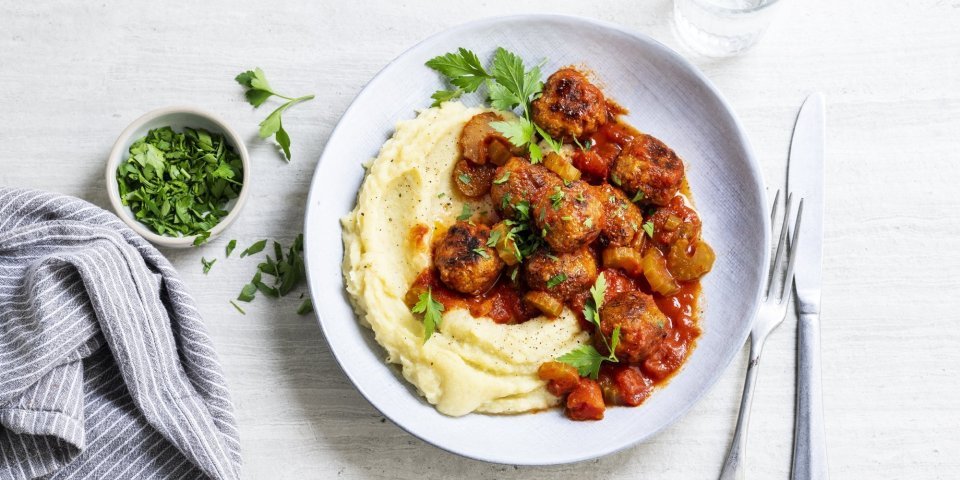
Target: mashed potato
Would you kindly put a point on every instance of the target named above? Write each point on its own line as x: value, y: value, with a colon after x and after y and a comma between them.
x: 470, y: 364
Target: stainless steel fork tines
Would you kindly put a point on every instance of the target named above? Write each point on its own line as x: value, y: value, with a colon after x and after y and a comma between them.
x: 772, y: 312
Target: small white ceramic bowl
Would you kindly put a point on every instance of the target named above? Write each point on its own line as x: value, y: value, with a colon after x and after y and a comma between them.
x: 176, y: 118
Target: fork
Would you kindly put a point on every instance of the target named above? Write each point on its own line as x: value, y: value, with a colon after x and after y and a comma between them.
x: 771, y: 314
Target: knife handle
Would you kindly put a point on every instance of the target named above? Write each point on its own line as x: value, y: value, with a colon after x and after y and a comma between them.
x: 810, y: 442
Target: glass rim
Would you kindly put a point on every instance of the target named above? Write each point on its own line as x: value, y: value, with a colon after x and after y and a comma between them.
x: 713, y: 5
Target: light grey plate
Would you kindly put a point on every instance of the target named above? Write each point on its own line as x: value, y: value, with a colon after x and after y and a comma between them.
x: 668, y: 98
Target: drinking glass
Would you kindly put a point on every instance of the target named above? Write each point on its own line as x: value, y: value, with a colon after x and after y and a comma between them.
x: 722, y: 28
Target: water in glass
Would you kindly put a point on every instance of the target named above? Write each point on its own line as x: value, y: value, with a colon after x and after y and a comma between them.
x: 721, y: 28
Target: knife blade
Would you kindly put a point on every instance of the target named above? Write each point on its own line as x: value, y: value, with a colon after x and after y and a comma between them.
x: 805, y: 179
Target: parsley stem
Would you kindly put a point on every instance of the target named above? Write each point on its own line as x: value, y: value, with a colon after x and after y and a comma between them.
x: 295, y: 100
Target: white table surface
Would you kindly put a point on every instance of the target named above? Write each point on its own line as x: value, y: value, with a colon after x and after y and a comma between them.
x: 74, y: 74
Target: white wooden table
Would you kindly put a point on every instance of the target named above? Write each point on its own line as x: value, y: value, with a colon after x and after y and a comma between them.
x: 74, y: 74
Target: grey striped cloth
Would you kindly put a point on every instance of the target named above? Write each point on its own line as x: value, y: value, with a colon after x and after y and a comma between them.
x: 106, y: 370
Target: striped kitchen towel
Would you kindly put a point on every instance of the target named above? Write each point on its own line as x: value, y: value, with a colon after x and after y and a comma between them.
x: 106, y: 369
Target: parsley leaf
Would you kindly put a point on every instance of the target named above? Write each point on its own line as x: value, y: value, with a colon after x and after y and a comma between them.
x: 431, y: 310
x: 648, y: 227
x: 230, y: 246
x: 305, y: 307
x: 556, y: 198
x: 554, y: 145
x: 441, y: 96
x: 462, y: 69
x: 258, y: 91
x: 521, y: 84
x: 503, y: 179
x: 466, y: 213
x: 518, y: 131
x: 207, y: 264
x: 464, y: 178
x: 257, y: 247
x: 494, y: 238
x: 248, y: 293
x: 480, y: 251
x: 585, y: 359
x: 638, y: 197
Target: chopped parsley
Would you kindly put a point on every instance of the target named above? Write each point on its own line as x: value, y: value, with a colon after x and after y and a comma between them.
x: 466, y: 213
x: 503, y: 179
x: 648, y: 227
x: 178, y: 184
x: 556, y: 280
x: 615, y: 179
x: 230, y: 246
x: 557, y: 198
x: 207, y: 264
x: 494, y: 238
x: 638, y: 197
x: 464, y: 178
x: 480, y: 251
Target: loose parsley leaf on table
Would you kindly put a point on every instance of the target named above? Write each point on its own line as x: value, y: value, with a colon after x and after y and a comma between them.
x: 305, y: 307
x: 287, y: 269
x: 431, y: 310
x: 258, y: 91
x: 257, y: 247
x: 230, y: 246
x: 207, y: 264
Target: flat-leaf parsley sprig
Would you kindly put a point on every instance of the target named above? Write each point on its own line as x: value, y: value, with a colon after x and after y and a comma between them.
x: 585, y: 358
x: 431, y: 310
x: 509, y: 86
x: 258, y: 91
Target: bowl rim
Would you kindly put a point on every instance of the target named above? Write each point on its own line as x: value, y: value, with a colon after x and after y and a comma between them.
x: 752, y: 161
x: 121, y: 147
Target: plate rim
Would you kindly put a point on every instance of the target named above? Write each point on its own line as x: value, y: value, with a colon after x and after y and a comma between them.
x: 752, y: 162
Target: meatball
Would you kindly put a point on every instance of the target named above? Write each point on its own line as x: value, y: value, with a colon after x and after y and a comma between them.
x: 674, y: 221
x: 642, y: 325
x: 563, y: 275
x: 518, y: 181
x: 571, y: 107
x: 465, y: 262
x: 622, y: 225
x: 570, y: 216
x: 647, y: 165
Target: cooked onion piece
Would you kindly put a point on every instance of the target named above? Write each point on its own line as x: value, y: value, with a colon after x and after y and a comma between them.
x: 624, y: 258
x: 658, y: 276
x: 544, y: 302
x: 561, y: 166
x: 687, y: 266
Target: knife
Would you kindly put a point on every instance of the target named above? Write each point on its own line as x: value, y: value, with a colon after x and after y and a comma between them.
x: 805, y: 179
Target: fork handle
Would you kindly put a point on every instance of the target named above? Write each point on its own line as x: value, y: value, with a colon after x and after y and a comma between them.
x: 733, y: 466
x: 809, y: 443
